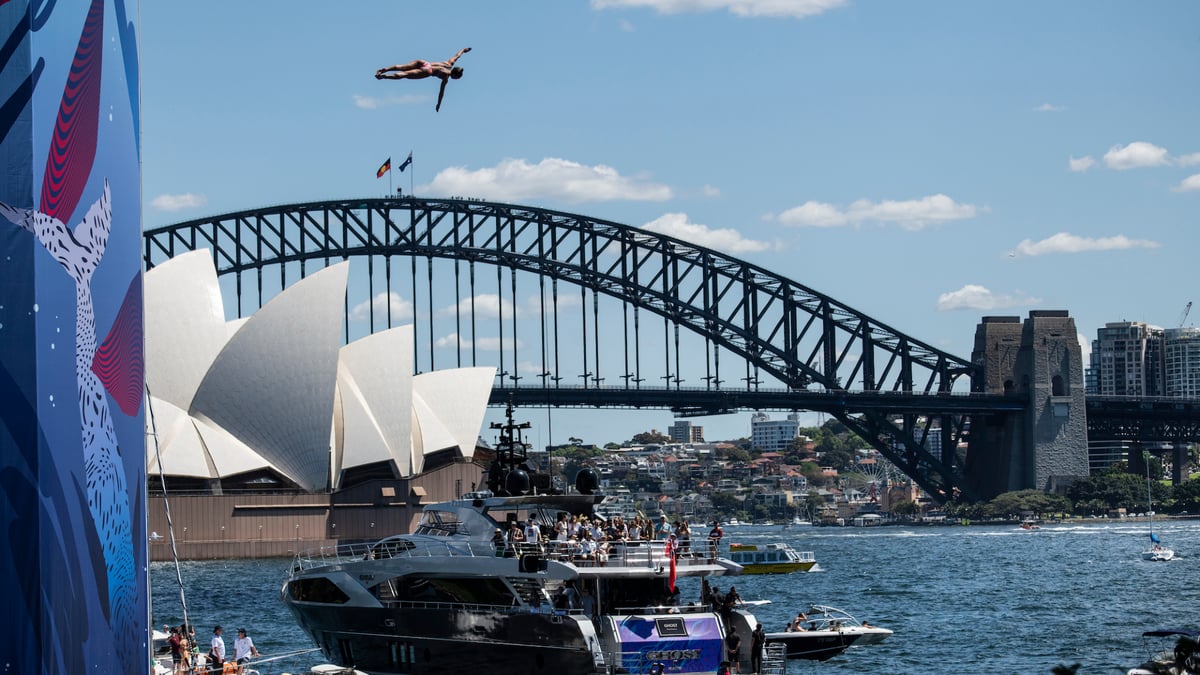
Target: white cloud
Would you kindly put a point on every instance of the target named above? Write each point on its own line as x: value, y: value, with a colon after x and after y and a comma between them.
x: 1085, y: 346
x: 710, y: 191
x: 1082, y: 164
x: 625, y: 25
x: 1136, y: 155
x: 1189, y: 184
x: 1064, y: 242
x: 797, y: 9
x: 1188, y: 160
x: 487, y: 305
x: 567, y: 297
x: 178, y: 202
x: 1050, y: 107
x: 483, y: 344
x: 401, y: 308
x: 373, y: 102
x: 913, y: 214
x: 973, y: 296
x: 551, y: 178
x: 725, y: 239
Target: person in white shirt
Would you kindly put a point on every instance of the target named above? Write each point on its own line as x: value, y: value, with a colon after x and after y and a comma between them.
x: 533, y: 533
x: 216, y: 653
x: 243, y: 649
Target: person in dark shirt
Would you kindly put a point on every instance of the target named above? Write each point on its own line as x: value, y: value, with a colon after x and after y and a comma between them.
x: 733, y: 651
x: 757, y: 643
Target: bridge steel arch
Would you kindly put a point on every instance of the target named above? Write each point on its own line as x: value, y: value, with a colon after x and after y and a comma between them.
x: 791, y: 337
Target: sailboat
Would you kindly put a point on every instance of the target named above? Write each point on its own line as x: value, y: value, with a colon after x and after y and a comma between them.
x: 1156, y: 552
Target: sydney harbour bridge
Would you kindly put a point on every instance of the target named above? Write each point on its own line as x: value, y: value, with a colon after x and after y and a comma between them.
x: 582, y: 312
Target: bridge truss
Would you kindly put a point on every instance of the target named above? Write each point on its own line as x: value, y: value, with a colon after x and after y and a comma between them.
x: 606, y: 303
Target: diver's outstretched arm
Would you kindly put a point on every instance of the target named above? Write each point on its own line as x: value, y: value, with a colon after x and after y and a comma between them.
x: 454, y: 58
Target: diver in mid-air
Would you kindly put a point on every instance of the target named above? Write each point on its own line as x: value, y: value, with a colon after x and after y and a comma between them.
x: 419, y: 70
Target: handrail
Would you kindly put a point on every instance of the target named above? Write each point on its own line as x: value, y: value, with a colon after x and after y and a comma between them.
x: 643, y: 554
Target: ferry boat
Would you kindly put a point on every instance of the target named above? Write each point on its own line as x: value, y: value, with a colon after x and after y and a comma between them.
x: 455, y: 596
x: 771, y: 558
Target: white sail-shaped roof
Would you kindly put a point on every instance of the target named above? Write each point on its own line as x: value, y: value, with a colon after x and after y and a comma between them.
x: 179, y: 444
x: 449, y: 406
x: 272, y: 386
x: 185, y: 325
x: 375, y: 384
x: 276, y: 391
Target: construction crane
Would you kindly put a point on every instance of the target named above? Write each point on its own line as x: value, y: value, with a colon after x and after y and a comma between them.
x: 1183, y: 317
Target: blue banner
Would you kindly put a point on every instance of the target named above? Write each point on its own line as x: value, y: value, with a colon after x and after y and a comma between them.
x: 72, y: 449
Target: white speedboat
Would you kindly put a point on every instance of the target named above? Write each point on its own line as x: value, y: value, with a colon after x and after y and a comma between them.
x: 813, y: 645
x: 823, y: 617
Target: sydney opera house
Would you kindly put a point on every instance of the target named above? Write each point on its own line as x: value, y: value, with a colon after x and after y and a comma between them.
x: 267, y: 434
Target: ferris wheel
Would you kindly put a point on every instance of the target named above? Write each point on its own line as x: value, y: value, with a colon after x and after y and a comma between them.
x: 872, y: 479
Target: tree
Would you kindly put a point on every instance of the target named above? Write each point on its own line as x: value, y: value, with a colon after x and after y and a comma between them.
x: 1032, y: 501
x: 906, y: 507
x: 652, y: 437
x: 736, y: 453
x: 1187, y: 496
x: 1117, y: 490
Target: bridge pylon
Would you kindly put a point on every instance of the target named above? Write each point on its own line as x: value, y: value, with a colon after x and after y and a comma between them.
x: 1043, y: 447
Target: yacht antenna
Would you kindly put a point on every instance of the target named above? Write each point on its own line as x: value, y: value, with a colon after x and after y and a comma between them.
x: 509, y: 471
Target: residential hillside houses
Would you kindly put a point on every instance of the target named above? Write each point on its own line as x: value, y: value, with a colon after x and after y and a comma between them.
x: 702, y: 482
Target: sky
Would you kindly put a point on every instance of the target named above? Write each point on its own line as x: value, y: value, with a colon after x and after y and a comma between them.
x: 927, y: 162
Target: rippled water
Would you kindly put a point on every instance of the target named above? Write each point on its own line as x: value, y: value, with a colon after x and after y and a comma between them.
x: 979, y: 599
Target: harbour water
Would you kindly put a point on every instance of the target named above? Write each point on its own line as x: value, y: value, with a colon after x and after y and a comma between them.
x: 976, y: 599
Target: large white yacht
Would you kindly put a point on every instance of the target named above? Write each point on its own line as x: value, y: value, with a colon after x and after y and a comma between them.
x: 455, y: 597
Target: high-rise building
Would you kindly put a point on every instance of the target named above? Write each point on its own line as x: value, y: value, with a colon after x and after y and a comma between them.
x: 1127, y: 360
x: 773, y: 435
x: 1181, y: 357
x: 683, y: 431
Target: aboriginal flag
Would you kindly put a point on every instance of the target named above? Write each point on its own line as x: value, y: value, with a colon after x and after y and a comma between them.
x: 386, y: 167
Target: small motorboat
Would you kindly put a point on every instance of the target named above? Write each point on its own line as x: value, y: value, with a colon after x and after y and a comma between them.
x: 823, y: 617
x: 1030, y: 525
x: 1164, y: 657
x: 771, y: 558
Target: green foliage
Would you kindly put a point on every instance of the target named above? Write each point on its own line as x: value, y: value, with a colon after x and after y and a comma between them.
x: 725, y: 502
x: 906, y: 507
x: 736, y: 454
x: 651, y: 437
x: 1187, y: 496
x: 812, y: 472
x: 1021, y: 501
x: 1116, y: 490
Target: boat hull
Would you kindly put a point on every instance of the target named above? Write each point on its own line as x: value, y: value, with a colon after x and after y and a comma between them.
x: 813, y: 645
x: 446, y: 641
x: 777, y: 568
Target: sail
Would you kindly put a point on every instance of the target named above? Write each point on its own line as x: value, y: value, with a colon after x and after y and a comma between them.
x: 1154, y: 537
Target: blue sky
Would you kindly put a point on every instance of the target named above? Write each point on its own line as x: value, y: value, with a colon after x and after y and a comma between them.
x: 927, y: 163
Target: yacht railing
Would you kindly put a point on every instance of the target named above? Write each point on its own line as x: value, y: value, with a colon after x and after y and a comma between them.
x: 641, y: 554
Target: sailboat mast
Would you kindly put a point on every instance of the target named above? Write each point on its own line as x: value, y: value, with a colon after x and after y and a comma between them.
x: 167, y: 507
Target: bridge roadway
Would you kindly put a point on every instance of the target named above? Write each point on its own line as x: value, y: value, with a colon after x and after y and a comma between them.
x: 1125, y: 418
x: 700, y: 401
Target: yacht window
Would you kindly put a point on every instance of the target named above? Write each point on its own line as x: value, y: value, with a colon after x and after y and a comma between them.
x: 318, y: 589
x: 474, y: 591
x: 441, y: 524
